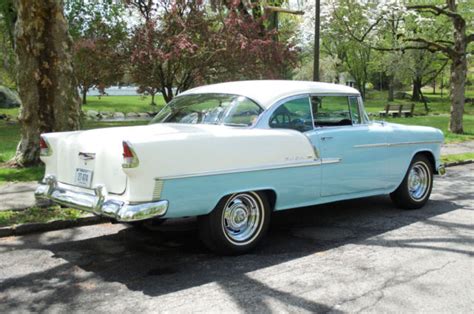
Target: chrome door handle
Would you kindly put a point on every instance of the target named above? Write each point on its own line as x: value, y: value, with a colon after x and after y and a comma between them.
x: 325, y: 138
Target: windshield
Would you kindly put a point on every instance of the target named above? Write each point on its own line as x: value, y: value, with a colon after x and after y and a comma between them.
x: 225, y: 109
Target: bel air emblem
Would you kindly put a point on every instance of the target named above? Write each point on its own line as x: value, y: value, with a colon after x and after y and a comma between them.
x: 86, y: 156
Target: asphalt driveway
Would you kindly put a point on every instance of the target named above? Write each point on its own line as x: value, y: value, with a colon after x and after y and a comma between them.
x: 355, y: 256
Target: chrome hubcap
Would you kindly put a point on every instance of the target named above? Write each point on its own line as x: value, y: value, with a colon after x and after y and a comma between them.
x: 418, y: 181
x: 241, y: 218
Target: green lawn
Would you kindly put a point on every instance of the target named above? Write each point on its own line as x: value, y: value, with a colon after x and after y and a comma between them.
x: 123, y: 103
x: 441, y: 122
x: 112, y: 104
x: 457, y: 157
x: 38, y: 215
x: 376, y: 101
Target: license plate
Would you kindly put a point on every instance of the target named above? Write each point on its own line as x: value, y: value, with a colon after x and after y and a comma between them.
x: 83, y: 177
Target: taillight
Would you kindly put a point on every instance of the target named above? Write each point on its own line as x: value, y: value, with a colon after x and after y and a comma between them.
x: 130, y: 159
x: 45, y: 150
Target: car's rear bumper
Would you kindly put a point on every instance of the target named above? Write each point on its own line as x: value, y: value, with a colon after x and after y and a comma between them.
x: 98, y: 202
x: 441, y: 170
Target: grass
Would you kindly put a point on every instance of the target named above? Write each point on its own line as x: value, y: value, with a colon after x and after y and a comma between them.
x: 123, y: 103
x: 441, y: 122
x: 37, y: 215
x: 376, y: 101
x: 112, y: 104
x: 457, y: 157
x: 21, y: 174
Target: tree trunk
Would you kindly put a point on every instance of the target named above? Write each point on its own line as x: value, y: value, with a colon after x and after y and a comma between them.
x: 458, y: 72
x: 84, y: 96
x: 153, y: 98
x: 458, y: 80
x: 423, y: 98
x: 390, y: 89
x: 416, y: 94
x: 46, y: 84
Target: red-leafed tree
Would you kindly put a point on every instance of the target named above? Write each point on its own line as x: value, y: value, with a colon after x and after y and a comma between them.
x: 97, y: 64
x: 186, y: 44
x: 99, y: 33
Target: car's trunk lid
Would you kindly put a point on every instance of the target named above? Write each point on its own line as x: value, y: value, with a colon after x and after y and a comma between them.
x: 89, y: 158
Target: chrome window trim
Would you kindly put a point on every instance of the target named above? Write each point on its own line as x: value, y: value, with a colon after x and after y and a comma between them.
x: 348, y: 106
x: 253, y: 125
x: 350, y: 109
x: 281, y: 102
x: 365, y: 117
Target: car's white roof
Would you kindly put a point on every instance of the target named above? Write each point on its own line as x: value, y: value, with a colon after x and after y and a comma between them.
x: 266, y: 92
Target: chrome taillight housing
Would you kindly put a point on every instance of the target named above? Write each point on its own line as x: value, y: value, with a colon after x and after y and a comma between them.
x: 130, y: 159
x: 45, y: 148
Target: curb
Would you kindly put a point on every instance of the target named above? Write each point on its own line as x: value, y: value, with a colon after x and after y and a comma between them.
x: 459, y: 163
x: 28, y: 228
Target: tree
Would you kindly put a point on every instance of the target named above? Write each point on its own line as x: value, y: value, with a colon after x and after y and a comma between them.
x: 424, y: 67
x: 7, y: 54
x: 99, y: 32
x: 415, y: 37
x: 45, y: 79
x: 171, y: 51
x: 187, y: 44
x: 455, y: 50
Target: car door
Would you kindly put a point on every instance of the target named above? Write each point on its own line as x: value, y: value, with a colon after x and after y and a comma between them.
x: 294, y: 113
x: 352, y: 150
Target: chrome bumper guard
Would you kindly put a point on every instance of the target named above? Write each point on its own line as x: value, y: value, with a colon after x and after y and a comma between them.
x: 98, y: 202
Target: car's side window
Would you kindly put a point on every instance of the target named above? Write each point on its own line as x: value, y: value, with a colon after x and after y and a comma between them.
x: 333, y: 110
x: 294, y: 114
x: 354, y: 106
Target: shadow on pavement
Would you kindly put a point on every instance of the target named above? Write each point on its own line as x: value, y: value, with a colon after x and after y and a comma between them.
x: 174, y: 259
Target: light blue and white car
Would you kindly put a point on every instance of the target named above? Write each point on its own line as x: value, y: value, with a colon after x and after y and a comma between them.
x: 232, y: 153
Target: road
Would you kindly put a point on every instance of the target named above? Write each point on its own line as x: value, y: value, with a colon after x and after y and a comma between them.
x: 355, y: 256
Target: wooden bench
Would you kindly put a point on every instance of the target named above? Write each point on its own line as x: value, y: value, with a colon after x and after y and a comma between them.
x: 397, y: 110
x: 408, y: 112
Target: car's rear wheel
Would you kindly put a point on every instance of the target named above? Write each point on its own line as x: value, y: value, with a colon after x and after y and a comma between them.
x: 415, y: 189
x: 237, y: 224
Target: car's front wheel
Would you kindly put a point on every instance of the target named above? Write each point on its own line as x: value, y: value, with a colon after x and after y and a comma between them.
x: 415, y: 189
x: 237, y: 224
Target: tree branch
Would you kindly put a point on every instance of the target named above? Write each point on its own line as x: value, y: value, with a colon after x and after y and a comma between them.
x: 366, y: 33
x: 435, y: 10
x: 435, y: 74
x: 469, y: 38
x: 432, y: 45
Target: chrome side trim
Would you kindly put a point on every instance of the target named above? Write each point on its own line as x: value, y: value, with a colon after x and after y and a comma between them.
x: 315, y: 149
x: 158, y: 189
x: 415, y: 143
x: 371, y: 145
x: 250, y: 169
x: 326, y: 161
x: 395, y: 144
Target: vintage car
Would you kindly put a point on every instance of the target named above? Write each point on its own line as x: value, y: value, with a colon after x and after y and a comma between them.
x: 232, y: 153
